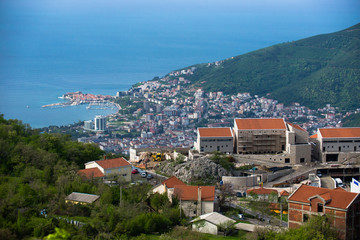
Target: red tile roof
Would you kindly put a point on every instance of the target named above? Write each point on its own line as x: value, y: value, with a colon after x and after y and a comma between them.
x: 340, y: 132
x: 284, y: 193
x: 113, y: 163
x: 171, y: 182
x: 260, y: 123
x: 215, y: 132
x: 333, y: 198
x: 262, y: 191
x: 90, y: 173
x: 314, y: 136
x: 187, y: 193
x: 296, y: 126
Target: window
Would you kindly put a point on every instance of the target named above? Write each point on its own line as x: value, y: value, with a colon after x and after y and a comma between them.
x: 320, y: 207
x: 302, y: 160
x: 305, y: 217
x: 287, y: 160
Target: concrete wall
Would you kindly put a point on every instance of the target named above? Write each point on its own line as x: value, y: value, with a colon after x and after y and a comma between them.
x: 241, y: 182
x: 300, y: 154
x: 205, y: 227
x: 278, y: 174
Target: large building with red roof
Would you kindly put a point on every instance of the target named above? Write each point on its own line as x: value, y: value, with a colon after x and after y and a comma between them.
x: 286, y: 142
x: 336, y: 144
x: 215, y: 139
x: 103, y: 168
x: 341, y: 206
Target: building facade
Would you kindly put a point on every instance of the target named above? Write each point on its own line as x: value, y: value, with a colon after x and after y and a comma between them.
x: 116, y: 166
x: 336, y: 144
x: 214, y: 139
x: 100, y: 123
x: 195, y: 200
x: 272, y: 139
x: 342, y: 207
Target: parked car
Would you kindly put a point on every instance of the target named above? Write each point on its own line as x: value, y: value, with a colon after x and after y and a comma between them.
x: 135, y: 171
x: 239, y: 194
x: 143, y: 174
x: 149, y: 176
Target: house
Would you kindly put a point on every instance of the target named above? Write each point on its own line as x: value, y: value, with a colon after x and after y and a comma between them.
x: 215, y: 139
x: 106, y: 167
x: 343, y: 208
x: 336, y: 144
x: 211, y: 223
x: 195, y: 200
x: 167, y: 186
x: 81, y: 198
x: 272, y: 139
x: 262, y: 194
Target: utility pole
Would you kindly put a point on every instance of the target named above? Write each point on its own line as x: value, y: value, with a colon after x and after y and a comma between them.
x: 120, y: 195
x: 280, y: 213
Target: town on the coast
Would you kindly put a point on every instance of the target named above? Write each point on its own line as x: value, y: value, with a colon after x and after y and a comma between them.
x: 214, y: 151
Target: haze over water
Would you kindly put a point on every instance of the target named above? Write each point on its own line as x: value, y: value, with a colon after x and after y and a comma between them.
x: 50, y: 47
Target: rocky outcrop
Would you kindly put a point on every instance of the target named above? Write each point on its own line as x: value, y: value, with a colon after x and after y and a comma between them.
x: 199, y: 169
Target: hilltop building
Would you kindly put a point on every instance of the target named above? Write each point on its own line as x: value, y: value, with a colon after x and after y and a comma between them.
x: 336, y: 144
x: 214, y: 139
x: 106, y: 167
x: 342, y: 207
x: 272, y: 139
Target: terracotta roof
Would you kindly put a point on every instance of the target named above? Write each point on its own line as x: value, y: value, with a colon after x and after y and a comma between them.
x: 113, y: 163
x: 340, y: 132
x: 314, y: 136
x: 215, y: 132
x: 262, y: 191
x: 171, y: 182
x: 284, y: 193
x: 186, y: 193
x: 296, y: 126
x: 90, y: 173
x: 260, y: 123
x: 334, y: 198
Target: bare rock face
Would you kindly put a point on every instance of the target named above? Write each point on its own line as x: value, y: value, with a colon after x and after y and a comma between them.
x: 200, y: 169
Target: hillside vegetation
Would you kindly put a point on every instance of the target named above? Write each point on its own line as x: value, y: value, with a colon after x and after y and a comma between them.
x: 313, y: 71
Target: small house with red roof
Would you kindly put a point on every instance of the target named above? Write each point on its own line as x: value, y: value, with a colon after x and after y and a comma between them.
x: 341, y: 206
x: 106, y: 167
x: 167, y: 186
x: 195, y: 200
x: 262, y: 194
x: 336, y: 144
x: 215, y: 139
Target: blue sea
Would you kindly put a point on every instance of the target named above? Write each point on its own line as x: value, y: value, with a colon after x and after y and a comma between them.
x: 50, y: 47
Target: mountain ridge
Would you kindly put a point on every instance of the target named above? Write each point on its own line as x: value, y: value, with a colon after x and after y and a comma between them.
x: 314, y: 71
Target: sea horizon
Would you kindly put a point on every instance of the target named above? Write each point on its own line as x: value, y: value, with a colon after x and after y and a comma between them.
x: 51, y: 47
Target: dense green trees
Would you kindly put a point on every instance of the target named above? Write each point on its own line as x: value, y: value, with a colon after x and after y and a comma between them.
x: 38, y: 170
x: 313, y: 71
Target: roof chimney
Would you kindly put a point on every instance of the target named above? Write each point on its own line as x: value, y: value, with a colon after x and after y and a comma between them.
x: 104, y: 157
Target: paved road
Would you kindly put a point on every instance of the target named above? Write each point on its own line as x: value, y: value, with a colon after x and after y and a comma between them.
x: 267, y: 220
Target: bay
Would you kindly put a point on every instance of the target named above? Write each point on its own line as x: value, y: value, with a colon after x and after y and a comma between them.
x: 50, y: 47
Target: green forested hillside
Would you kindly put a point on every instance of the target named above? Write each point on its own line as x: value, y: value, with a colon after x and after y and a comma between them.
x: 37, y: 172
x: 313, y: 71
